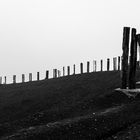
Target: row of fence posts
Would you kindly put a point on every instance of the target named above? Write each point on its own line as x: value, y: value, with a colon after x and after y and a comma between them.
x: 66, y: 72
x: 23, y: 77
x: 129, y: 63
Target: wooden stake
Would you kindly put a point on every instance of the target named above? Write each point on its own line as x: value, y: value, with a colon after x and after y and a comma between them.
x: 47, y: 74
x: 114, y: 63
x: 81, y: 67
x: 5, y: 79
x: 23, y: 78
x: 88, y: 67
x: 59, y: 73
x: 30, y: 77
x: 55, y: 71
x: 0, y: 80
x: 74, y: 69
x: 63, y: 71
x: 95, y: 62
x: 125, y: 47
x: 14, y: 79
x: 68, y: 68
x: 119, y: 63
x: 108, y: 64
x: 138, y: 40
x: 133, y: 59
x: 101, y: 65
x: 37, y: 76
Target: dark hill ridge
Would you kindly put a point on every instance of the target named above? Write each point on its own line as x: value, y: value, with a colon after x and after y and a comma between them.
x: 40, y: 102
x: 20, y: 100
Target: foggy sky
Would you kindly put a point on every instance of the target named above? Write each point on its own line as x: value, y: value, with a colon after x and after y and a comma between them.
x: 36, y: 35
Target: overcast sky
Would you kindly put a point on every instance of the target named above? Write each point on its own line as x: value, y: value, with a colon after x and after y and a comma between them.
x: 36, y: 35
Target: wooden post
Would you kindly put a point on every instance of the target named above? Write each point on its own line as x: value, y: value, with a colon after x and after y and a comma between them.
x: 101, y: 65
x: 0, y: 80
x: 68, y: 68
x: 5, y: 79
x: 23, y: 78
x: 37, y: 76
x: 95, y: 65
x: 55, y: 73
x: 74, y: 69
x: 138, y: 40
x: 88, y: 67
x: 59, y: 73
x: 125, y: 47
x: 133, y: 59
x: 119, y: 63
x: 63, y: 71
x: 114, y: 63
x: 47, y: 74
x: 14, y: 79
x: 30, y: 77
x: 108, y: 64
x: 81, y: 68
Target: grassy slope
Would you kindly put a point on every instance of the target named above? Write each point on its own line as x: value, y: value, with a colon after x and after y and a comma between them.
x: 29, y: 104
x: 20, y: 100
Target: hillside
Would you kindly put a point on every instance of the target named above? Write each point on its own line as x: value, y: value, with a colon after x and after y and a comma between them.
x: 40, y: 102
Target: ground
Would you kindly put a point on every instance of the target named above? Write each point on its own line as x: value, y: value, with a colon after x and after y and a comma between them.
x: 72, y: 107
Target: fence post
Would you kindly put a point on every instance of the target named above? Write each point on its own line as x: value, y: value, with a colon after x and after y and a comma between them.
x: 23, y: 78
x: 114, y: 63
x: 133, y: 59
x: 0, y: 80
x: 125, y: 47
x: 55, y: 73
x: 68, y: 68
x: 14, y: 79
x: 5, y: 79
x: 119, y: 63
x: 37, y: 76
x: 63, y: 71
x: 101, y: 65
x: 108, y: 64
x: 81, y: 68
x: 59, y: 73
x: 88, y: 65
x: 30, y: 77
x: 47, y: 74
x: 95, y: 65
x: 74, y: 69
x: 138, y: 40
